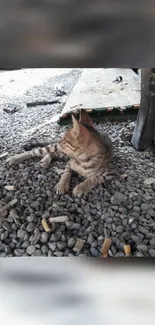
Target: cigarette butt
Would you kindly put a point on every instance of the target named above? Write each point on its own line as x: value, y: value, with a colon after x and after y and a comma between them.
x: 78, y: 245
x: 58, y: 219
x: 9, y: 188
x: 45, y: 225
x: 127, y: 250
x: 105, y: 247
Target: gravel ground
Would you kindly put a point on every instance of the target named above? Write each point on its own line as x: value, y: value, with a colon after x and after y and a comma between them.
x: 124, y: 210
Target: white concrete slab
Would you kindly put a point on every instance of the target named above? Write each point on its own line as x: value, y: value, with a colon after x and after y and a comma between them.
x: 96, y: 89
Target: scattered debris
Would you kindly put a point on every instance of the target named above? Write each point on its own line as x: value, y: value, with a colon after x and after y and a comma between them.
x: 105, y: 247
x: 4, y: 154
x: 58, y: 219
x: 59, y: 89
x: 131, y: 221
x: 43, y: 102
x: 127, y: 250
x: 8, y: 205
x: 45, y: 225
x: 118, y: 79
x: 78, y: 245
x: 9, y: 188
x: 11, y: 108
x: 149, y: 181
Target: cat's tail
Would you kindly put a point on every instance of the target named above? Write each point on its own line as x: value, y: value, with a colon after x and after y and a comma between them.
x: 51, y: 150
x: 39, y: 144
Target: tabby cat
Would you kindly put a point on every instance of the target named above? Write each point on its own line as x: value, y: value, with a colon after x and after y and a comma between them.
x: 89, y: 154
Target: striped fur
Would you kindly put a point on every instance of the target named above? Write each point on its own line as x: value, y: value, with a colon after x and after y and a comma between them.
x: 89, y: 154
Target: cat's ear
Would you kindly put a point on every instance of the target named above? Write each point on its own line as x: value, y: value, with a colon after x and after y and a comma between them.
x: 76, y: 126
x: 85, y: 118
x: 80, y: 131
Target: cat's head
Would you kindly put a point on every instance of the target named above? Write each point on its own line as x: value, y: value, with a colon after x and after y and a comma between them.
x: 79, y: 138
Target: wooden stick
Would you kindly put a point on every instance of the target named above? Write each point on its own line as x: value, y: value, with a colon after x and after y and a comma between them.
x: 43, y: 102
x: 105, y: 247
x: 45, y: 225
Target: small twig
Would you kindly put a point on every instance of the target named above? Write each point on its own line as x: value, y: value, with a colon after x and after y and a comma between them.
x: 44, y: 102
x: 8, y: 205
x: 105, y: 247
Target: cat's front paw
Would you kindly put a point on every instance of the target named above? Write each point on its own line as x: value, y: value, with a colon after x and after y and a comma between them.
x: 62, y: 188
x: 45, y: 162
x: 80, y: 190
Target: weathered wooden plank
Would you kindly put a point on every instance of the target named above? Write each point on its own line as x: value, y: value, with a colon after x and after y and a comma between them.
x: 145, y: 126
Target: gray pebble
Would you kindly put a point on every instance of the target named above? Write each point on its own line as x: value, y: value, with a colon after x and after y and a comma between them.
x: 6, y: 226
x: 134, y: 226
x: 142, y: 248
x: 52, y: 246
x: 136, y: 239
x: 139, y: 254
x: 144, y: 206
x: 37, y: 252
x: 25, y: 244
x: 151, y: 212
x: 30, y: 250
x: 58, y: 254
x: 118, y: 198
x: 101, y: 229
x: 44, y: 237
x: 18, y: 252
x: 140, y: 235
x: 53, y: 238
x: 35, y: 238
x: 31, y: 218
x: 119, y: 254
x: 71, y: 242
x: 152, y: 242
x: 21, y: 233
x: 4, y: 235
x: 100, y: 240
x: 44, y: 249
x: 152, y: 252
x: 119, y: 229
x: 94, y: 252
x: 30, y: 227
x: 3, y: 254
x: 94, y: 244
x: 143, y: 230
x: 34, y: 204
x: 136, y: 208
x: 109, y: 220
x: 90, y: 239
x: 61, y: 245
